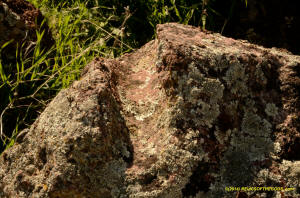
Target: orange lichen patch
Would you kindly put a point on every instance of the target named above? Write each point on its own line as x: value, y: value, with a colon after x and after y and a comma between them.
x: 139, y: 91
x: 141, y: 87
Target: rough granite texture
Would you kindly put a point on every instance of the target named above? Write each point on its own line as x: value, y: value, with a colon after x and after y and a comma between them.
x: 187, y: 115
x: 19, y: 21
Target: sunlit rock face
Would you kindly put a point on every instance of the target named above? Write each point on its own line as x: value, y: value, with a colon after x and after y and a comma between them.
x: 190, y: 114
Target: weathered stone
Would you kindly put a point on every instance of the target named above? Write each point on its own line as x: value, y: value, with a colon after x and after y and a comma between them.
x: 187, y: 115
x: 19, y: 21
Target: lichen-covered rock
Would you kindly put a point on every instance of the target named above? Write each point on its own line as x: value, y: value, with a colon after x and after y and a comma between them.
x: 190, y: 114
x: 19, y: 21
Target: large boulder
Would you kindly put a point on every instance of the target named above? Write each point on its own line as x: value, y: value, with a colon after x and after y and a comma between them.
x: 190, y: 114
x: 19, y: 22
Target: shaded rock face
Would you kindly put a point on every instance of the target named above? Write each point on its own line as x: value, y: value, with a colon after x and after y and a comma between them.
x: 187, y: 115
x: 19, y: 21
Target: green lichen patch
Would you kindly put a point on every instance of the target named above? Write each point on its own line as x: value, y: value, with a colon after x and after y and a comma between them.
x: 254, y: 125
x: 198, y: 99
x: 236, y: 168
x: 260, y: 76
x: 271, y: 109
x: 236, y: 79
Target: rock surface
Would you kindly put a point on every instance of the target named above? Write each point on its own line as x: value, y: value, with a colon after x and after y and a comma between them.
x: 19, y: 21
x: 187, y: 115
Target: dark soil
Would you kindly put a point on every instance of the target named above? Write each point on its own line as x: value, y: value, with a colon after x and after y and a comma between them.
x: 271, y: 23
x: 32, y: 18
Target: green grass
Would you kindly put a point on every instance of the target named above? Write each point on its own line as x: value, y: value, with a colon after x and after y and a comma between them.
x: 27, y: 85
x: 83, y: 30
